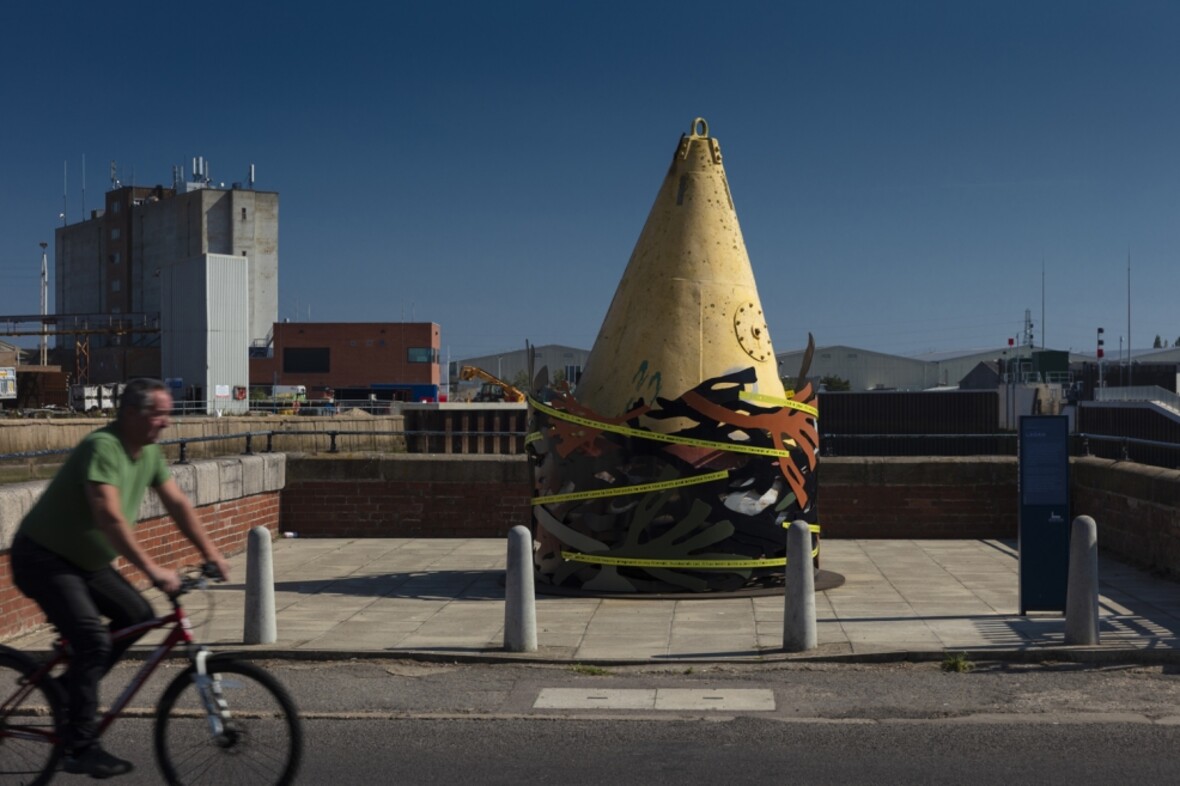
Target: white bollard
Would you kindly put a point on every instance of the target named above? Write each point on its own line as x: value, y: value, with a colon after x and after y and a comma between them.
x: 799, y: 605
x: 520, y: 602
x: 1081, y: 599
x: 260, y: 625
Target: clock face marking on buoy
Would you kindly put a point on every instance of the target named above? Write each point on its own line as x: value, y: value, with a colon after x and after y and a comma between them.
x: 752, y: 333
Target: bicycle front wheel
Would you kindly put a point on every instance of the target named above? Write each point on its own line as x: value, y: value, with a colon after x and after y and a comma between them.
x: 29, y: 750
x: 255, y: 737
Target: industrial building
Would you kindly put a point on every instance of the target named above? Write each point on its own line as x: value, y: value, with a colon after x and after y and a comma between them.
x: 121, y: 261
x: 868, y: 370
x: 385, y: 361
x: 513, y: 366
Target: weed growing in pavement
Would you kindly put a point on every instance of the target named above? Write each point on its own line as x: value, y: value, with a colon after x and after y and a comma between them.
x: 592, y: 671
x: 957, y: 662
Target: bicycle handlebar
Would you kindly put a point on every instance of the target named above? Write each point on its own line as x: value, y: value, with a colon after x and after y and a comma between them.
x: 200, y: 579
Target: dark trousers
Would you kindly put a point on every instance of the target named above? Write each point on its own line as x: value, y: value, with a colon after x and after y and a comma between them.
x: 75, y: 601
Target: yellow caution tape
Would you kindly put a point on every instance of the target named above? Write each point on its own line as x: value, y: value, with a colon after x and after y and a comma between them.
x: 789, y: 403
x: 813, y: 527
x: 533, y: 437
x: 639, y: 488
x: 732, y: 447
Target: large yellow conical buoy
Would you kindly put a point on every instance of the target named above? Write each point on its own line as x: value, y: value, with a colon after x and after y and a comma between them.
x: 687, y: 308
x: 678, y: 457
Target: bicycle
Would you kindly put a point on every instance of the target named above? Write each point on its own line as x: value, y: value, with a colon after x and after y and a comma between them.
x: 220, y: 721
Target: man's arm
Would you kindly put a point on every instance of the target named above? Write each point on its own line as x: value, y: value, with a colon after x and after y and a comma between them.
x: 108, y: 515
x: 182, y: 512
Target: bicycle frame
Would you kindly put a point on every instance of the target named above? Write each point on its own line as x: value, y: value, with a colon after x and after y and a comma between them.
x: 181, y: 633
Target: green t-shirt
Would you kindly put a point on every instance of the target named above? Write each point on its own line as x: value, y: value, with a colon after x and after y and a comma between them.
x: 62, y: 521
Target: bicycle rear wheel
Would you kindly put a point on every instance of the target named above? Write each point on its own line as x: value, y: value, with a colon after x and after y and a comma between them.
x: 262, y: 741
x: 29, y: 751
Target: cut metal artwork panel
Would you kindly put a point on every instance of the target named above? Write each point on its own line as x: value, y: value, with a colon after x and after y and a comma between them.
x: 698, y: 507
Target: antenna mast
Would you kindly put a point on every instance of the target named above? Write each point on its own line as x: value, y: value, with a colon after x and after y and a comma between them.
x: 1129, y: 361
x: 1042, y: 302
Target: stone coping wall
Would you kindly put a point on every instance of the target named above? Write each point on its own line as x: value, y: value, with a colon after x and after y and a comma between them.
x: 20, y: 435
x: 232, y: 496
x: 1137, y: 508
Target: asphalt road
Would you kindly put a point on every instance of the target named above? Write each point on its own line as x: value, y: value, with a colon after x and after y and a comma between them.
x: 407, y: 723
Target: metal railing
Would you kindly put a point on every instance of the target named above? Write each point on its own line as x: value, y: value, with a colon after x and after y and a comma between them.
x: 1143, y: 451
x: 1001, y: 444
x: 1152, y: 393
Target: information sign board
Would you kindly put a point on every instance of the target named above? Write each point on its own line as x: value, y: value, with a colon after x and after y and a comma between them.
x: 1044, y: 512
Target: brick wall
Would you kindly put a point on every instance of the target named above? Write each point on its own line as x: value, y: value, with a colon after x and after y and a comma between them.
x: 231, y: 496
x: 406, y: 496
x: 228, y: 523
x: 918, y: 497
x: 484, y: 496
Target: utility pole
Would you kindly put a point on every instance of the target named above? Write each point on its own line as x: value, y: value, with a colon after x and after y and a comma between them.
x: 1101, y: 351
x: 44, y: 303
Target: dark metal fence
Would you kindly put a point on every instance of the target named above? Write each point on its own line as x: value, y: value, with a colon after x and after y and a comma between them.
x: 1002, y: 444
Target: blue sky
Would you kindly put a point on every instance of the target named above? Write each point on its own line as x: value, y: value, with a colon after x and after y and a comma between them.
x: 901, y: 170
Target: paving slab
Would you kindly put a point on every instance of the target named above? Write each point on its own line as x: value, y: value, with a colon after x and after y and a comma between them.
x: 445, y: 598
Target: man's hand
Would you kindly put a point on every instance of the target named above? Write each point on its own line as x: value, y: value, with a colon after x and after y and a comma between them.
x: 165, y: 579
x: 221, y: 565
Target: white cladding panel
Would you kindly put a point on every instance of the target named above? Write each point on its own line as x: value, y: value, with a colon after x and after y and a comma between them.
x: 204, y: 320
x: 228, y: 280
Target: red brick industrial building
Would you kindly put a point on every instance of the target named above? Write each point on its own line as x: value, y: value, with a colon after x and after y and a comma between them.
x: 397, y: 361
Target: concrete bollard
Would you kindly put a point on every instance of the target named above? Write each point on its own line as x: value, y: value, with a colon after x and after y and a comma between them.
x: 1081, y: 599
x: 260, y: 625
x: 799, y: 606
x: 520, y: 602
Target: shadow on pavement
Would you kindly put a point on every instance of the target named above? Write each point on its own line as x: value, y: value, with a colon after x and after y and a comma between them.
x: 421, y: 585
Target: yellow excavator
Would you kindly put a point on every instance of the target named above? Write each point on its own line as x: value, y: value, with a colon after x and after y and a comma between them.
x: 493, y: 388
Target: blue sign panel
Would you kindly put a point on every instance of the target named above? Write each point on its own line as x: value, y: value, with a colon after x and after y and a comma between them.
x: 1044, y: 512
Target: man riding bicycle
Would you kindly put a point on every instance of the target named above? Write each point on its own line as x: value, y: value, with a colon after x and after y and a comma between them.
x: 63, y: 552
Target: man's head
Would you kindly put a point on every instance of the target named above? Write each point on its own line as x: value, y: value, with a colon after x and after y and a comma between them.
x: 144, y: 408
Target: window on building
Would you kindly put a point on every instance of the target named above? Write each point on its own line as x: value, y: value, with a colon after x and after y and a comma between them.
x: 306, y: 360
x: 422, y: 355
x: 115, y: 234
x: 572, y: 374
x: 116, y: 207
x: 116, y: 258
x: 243, y: 214
x: 116, y: 285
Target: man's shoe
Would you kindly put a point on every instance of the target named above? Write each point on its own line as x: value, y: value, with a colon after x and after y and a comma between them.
x: 95, y: 762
